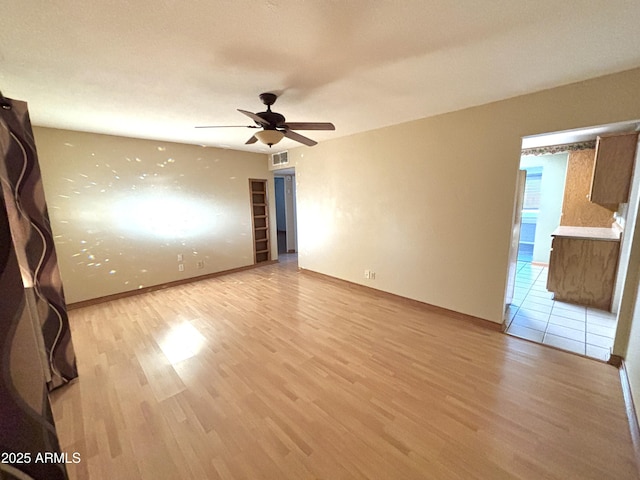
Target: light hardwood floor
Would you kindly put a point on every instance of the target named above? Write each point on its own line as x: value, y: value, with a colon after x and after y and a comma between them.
x: 297, y: 377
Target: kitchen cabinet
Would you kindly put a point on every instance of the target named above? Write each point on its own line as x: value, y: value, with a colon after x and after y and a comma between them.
x: 577, y: 210
x: 583, y: 265
x: 611, y: 179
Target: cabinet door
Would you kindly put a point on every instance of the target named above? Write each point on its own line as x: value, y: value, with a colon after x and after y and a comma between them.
x: 577, y: 210
x: 611, y: 181
x: 600, y: 267
x: 583, y: 271
x: 566, y: 269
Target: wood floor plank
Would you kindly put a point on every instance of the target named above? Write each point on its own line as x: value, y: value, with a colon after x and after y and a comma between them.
x: 283, y: 375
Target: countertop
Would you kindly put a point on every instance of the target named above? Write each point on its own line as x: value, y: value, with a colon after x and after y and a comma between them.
x: 588, y: 233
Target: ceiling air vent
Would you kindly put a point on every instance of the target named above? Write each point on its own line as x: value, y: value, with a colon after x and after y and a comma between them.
x: 279, y: 159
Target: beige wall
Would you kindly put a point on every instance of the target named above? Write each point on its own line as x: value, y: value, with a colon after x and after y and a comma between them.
x: 427, y: 205
x: 122, y: 209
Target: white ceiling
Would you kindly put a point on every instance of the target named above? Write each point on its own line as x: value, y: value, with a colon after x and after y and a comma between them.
x: 156, y: 68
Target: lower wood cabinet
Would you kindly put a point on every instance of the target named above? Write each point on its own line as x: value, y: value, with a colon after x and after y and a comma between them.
x: 583, y: 271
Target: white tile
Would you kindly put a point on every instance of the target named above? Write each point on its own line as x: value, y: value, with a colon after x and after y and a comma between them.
x: 520, y: 291
x: 529, y: 272
x: 532, y: 266
x: 533, y: 314
x: 599, y: 340
x: 566, y: 332
x: 532, y: 297
x: 594, y: 312
x: 539, y: 286
x: 510, y: 313
x: 528, y: 322
x: 568, y: 322
x: 540, y: 294
x: 601, y: 330
x: 540, y: 291
x: 570, y: 306
x: 524, y: 332
x: 522, y: 288
x: 598, y: 352
x: 564, y: 343
x: 527, y: 275
x: 573, y: 314
x: 517, y: 302
x: 512, y: 309
x: 605, y: 322
x: 529, y: 304
x: 528, y: 269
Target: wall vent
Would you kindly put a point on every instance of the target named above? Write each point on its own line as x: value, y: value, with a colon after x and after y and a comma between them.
x: 279, y: 159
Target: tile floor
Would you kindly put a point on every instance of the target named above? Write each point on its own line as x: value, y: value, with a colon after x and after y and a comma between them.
x: 534, y: 315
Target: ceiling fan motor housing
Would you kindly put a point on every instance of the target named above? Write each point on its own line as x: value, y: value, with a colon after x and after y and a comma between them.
x: 272, y: 118
x: 268, y: 98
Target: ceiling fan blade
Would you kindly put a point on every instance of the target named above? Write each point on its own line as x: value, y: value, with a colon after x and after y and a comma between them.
x: 253, y: 139
x: 227, y: 126
x: 299, y: 138
x: 255, y: 117
x: 309, y: 126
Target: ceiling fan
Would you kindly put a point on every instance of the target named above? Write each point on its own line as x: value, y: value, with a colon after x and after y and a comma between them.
x: 274, y: 126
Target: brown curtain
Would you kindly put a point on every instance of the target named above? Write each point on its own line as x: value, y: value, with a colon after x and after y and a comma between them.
x: 36, y: 353
x: 33, y: 241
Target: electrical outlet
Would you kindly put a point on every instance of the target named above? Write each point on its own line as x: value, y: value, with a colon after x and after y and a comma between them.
x: 180, y: 257
x: 200, y: 264
x: 367, y: 274
x: 181, y: 267
x: 372, y: 275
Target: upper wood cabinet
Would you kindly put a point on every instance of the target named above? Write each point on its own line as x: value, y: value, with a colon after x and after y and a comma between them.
x: 577, y: 210
x: 611, y: 180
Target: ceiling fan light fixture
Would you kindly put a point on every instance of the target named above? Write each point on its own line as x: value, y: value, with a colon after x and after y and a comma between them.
x: 274, y: 125
x: 269, y: 137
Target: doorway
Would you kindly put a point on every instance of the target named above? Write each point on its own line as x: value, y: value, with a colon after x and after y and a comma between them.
x: 286, y: 222
x: 281, y: 216
x: 533, y: 312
